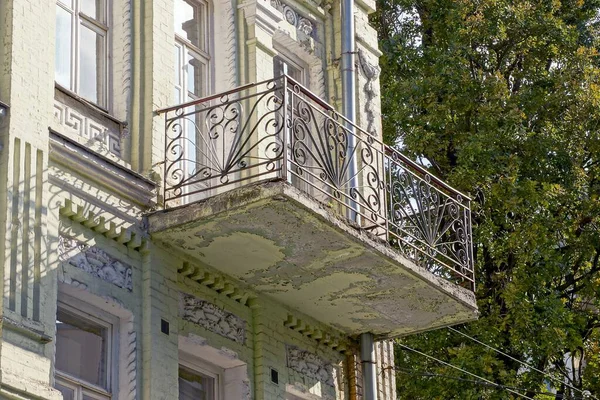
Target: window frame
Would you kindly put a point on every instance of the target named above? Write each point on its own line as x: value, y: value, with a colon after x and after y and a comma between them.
x: 87, y: 312
x: 194, y: 148
x: 295, y: 62
x: 204, y: 368
x: 204, y: 55
x: 100, y: 26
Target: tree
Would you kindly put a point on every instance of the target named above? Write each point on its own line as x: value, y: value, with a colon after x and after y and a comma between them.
x: 502, y: 100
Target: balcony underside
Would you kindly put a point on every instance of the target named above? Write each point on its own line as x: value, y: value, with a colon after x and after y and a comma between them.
x: 286, y: 245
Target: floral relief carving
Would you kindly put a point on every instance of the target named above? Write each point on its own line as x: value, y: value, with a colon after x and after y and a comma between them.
x: 96, y: 262
x: 309, y: 365
x: 306, y: 26
x: 294, y: 18
x: 290, y: 15
x: 212, y: 318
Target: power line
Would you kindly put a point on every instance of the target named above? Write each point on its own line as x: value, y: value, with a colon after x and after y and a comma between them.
x: 519, y: 361
x: 463, y: 371
x: 500, y: 386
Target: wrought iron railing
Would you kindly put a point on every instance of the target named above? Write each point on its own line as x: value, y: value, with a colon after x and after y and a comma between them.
x: 278, y: 129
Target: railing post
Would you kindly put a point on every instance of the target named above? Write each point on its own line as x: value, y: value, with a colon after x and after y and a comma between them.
x: 286, y: 131
x: 471, y: 261
x: 164, y: 171
x: 387, y: 187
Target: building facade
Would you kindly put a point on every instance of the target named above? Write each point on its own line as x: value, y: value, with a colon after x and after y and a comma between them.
x: 187, y: 215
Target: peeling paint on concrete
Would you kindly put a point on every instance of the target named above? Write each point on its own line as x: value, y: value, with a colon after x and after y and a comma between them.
x: 301, y: 254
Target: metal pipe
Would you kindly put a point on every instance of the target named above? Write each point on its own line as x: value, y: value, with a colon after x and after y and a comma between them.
x: 349, y: 96
x: 367, y: 349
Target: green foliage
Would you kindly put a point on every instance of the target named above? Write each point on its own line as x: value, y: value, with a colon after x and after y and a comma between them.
x: 502, y: 98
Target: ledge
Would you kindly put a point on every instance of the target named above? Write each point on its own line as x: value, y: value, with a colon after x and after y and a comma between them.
x: 113, y: 176
x: 26, y: 327
x: 284, y: 244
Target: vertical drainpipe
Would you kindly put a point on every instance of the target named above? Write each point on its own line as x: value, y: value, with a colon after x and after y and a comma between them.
x: 349, y: 96
x: 349, y: 111
x: 368, y: 366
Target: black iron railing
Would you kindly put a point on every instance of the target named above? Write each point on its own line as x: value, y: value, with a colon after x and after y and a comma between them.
x: 279, y: 129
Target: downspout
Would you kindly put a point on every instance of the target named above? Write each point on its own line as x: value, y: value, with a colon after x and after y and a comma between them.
x: 349, y: 96
x: 368, y: 366
x: 236, y: 33
x: 349, y: 111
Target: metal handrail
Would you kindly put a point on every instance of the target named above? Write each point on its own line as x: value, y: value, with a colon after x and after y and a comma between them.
x: 280, y: 129
x: 395, y: 153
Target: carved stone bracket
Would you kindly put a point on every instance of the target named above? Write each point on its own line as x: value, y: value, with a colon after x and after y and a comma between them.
x: 301, y: 23
x: 309, y: 365
x: 95, y: 261
x: 212, y: 318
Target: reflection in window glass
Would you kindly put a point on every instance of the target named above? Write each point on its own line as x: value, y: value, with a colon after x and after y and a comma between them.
x: 81, y: 348
x: 81, y: 48
x: 177, y: 65
x: 92, y: 8
x: 68, y: 393
x: 186, y: 23
x: 192, y: 60
x: 195, y: 386
x: 62, y: 55
x: 190, y: 22
x: 90, y: 64
x: 196, y: 75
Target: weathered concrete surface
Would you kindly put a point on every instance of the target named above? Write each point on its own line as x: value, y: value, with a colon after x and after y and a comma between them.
x: 282, y: 243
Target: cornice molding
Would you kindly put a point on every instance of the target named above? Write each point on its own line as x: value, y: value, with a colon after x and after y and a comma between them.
x: 101, y: 170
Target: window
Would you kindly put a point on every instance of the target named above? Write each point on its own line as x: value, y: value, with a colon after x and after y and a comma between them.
x: 81, y: 48
x: 283, y: 65
x: 290, y: 68
x: 85, y: 346
x: 198, y: 382
x: 192, y: 75
x: 192, y: 57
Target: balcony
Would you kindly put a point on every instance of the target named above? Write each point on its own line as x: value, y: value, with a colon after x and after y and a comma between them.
x: 271, y: 186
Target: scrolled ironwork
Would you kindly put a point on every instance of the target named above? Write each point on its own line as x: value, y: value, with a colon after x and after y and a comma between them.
x: 428, y: 223
x: 278, y: 128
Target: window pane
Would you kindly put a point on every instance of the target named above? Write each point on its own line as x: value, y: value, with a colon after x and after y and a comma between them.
x: 90, y: 65
x: 178, y: 65
x: 93, y: 396
x: 195, y: 386
x: 62, y: 61
x: 68, y: 393
x: 68, y: 3
x: 92, y: 8
x: 81, y: 348
x: 196, y: 75
x: 282, y: 66
x: 189, y: 22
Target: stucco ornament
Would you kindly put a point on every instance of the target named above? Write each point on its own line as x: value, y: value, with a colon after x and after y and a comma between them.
x: 95, y: 261
x: 305, y: 26
x: 290, y: 15
x: 371, y: 72
x: 294, y: 18
x: 80, y: 124
x: 309, y: 365
x: 212, y: 318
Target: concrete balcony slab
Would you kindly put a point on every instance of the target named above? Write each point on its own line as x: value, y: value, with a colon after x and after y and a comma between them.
x: 282, y: 243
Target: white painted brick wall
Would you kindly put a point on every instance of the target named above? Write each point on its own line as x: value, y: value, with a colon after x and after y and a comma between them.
x: 26, y: 82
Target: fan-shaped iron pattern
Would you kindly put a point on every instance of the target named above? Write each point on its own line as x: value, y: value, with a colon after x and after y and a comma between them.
x: 278, y: 129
